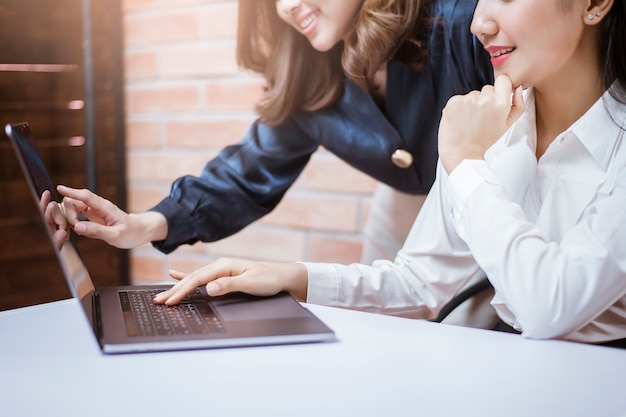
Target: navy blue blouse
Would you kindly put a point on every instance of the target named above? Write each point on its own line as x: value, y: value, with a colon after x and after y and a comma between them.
x: 248, y: 179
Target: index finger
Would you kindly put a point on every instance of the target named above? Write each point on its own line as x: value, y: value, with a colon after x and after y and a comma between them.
x: 83, y: 195
x: 185, y: 286
x: 83, y: 200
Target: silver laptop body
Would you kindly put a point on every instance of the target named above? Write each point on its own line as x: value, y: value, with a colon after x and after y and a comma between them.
x: 125, y: 320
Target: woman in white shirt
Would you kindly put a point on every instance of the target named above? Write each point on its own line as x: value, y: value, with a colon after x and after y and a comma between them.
x: 530, y: 189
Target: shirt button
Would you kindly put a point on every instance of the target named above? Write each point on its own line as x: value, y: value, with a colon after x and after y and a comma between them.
x: 402, y: 158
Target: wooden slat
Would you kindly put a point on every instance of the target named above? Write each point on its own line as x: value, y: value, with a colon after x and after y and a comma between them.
x: 41, y: 90
x: 47, y: 36
x: 37, y: 32
x: 24, y: 282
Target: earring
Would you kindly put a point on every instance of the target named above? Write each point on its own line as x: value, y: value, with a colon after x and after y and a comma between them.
x: 598, y: 14
x: 590, y: 16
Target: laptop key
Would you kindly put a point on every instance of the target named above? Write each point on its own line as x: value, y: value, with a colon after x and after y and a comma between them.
x: 145, y: 318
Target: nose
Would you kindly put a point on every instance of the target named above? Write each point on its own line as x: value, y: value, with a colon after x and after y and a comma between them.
x: 483, y: 23
x: 287, y: 6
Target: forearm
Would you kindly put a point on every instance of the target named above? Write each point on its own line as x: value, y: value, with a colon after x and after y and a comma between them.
x: 243, y: 183
x: 379, y: 289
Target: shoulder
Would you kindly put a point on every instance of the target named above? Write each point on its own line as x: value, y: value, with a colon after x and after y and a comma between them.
x: 451, y: 42
x: 451, y: 21
x: 453, y: 16
x: 453, y: 10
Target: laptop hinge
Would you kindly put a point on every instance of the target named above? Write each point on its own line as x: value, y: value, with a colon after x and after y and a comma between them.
x: 97, y: 321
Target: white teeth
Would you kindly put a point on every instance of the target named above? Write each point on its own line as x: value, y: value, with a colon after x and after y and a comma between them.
x: 502, y: 52
x: 307, y: 22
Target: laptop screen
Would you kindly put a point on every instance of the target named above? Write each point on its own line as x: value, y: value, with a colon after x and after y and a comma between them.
x: 39, y: 180
x: 248, y: 320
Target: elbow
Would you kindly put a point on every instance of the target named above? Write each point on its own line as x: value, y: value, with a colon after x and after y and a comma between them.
x: 542, y: 332
x: 546, y: 324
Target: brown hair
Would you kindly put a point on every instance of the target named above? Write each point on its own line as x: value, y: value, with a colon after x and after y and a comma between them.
x: 300, y: 78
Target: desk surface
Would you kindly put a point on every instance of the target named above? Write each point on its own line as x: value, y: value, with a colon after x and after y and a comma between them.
x: 50, y: 365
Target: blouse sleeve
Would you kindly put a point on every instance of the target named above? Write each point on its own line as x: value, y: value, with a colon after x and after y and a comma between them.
x: 243, y: 183
x: 433, y: 265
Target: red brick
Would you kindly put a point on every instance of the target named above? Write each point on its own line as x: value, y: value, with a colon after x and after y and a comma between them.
x: 140, y: 134
x: 319, y: 212
x: 326, y: 172
x: 179, y: 98
x: 203, y: 134
x: 263, y: 243
x: 235, y: 94
x: 218, y: 20
x: 164, y: 166
x: 140, y: 65
x: 167, y: 26
x: 206, y: 59
x: 147, y: 268
x: 134, y: 5
x: 333, y: 248
x: 141, y: 199
x: 179, y: 3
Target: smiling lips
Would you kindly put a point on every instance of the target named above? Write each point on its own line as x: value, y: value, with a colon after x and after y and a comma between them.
x: 499, y: 54
x: 306, y: 22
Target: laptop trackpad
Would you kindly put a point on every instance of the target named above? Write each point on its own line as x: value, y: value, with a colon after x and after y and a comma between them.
x: 244, y: 307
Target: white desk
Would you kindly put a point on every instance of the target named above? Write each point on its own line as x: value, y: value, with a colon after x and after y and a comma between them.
x: 50, y: 365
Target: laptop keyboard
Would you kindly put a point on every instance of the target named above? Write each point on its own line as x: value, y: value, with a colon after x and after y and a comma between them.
x: 145, y: 318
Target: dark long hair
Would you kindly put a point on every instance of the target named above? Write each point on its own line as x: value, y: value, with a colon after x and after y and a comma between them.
x: 300, y: 78
x: 613, y: 50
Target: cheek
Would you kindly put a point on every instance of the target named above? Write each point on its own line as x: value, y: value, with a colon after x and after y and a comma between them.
x: 345, y: 16
x: 285, y: 17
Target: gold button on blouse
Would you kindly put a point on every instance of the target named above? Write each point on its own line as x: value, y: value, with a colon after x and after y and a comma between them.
x: 402, y: 158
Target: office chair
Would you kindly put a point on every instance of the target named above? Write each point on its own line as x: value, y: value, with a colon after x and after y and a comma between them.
x: 484, y: 285
x: 460, y: 298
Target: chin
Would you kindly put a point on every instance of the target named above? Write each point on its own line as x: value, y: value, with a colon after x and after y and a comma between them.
x: 323, y: 43
x: 321, y: 47
x: 516, y: 81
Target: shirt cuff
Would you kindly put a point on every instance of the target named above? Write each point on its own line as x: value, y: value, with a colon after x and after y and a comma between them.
x: 178, y: 225
x: 323, y: 284
x: 463, y: 182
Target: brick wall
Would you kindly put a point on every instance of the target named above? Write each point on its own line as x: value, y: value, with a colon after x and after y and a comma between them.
x: 185, y: 100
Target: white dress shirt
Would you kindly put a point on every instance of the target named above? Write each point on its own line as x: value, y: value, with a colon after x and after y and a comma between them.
x: 549, y: 234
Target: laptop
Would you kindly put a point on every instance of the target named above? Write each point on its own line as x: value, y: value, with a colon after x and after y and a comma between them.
x: 124, y: 319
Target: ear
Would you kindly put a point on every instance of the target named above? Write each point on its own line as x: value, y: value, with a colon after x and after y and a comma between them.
x: 596, y: 10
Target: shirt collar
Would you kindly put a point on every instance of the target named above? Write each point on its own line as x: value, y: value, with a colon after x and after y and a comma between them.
x: 597, y: 130
x: 600, y: 127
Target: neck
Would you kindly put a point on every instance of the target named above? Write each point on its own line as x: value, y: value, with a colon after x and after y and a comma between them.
x: 563, y: 100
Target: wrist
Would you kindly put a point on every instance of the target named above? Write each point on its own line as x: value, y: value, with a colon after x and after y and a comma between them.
x: 450, y: 159
x: 297, y: 281
x: 152, y: 225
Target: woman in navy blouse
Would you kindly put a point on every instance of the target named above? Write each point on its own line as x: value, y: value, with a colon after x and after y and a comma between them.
x: 367, y: 80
